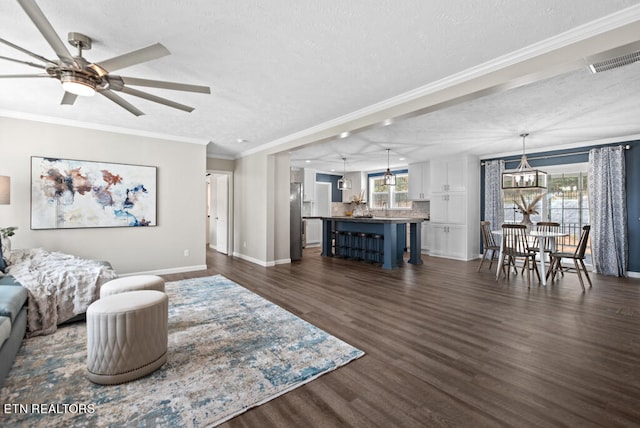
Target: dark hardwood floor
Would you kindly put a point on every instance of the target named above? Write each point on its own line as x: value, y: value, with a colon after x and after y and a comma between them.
x: 448, y: 346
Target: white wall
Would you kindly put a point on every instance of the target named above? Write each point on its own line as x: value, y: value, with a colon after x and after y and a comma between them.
x: 261, y: 208
x: 250, y: 208
x: 181, y: 196
x: 216, y: 164
x: 281, y: 198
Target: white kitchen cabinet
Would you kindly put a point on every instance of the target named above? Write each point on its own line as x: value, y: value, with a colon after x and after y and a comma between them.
x: 455, y: 208
x: 313, y: 232
x: 449, y: 175
x: 419, y: 181
x: 449, y: 208
x: 425, y: 237
x: 358, y: 184
x: 448, y: 241
x: 309, y: 185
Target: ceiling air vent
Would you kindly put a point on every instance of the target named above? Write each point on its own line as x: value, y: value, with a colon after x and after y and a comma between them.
x: 610, y: 64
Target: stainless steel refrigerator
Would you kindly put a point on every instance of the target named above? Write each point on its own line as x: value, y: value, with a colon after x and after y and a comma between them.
x: 296, y: 221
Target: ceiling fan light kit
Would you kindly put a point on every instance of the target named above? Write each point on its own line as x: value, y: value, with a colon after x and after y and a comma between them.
x: 77, y: 84
x: 81, y: 77
x: 524, y: 176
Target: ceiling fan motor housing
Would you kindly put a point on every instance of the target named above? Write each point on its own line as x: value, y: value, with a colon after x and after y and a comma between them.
x: 79, y: 40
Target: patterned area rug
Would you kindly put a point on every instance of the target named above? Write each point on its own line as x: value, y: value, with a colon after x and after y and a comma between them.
x: 229, y: 350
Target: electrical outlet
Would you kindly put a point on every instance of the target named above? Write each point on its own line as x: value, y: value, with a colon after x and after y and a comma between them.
x: 186, y: 253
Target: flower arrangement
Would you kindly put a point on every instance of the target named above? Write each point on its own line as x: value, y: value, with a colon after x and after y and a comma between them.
x: 528, y: 208
x: 358, y: 199
x: 6, y: 232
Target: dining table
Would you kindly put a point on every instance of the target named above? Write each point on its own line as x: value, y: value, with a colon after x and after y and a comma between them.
x: 541, y: 236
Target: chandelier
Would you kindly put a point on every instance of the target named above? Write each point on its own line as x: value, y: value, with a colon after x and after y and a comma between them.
x: 524, y: 176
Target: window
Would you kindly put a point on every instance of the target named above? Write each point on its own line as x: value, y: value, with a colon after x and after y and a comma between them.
x: 392, y: 196
x: 566, y: 202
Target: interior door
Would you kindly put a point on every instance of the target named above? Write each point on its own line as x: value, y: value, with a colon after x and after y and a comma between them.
x: 222, y: 212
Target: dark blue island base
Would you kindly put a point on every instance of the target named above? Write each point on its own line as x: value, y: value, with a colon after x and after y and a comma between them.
x: 381, y: 239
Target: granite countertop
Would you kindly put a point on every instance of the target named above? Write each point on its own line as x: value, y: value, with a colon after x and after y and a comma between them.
x: 377, y: 219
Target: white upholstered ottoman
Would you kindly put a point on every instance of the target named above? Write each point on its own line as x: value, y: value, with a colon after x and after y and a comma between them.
x: 126, y: 336
x: 132, y: 283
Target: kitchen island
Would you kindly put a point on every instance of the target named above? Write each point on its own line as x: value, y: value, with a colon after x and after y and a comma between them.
x: 391, y: 233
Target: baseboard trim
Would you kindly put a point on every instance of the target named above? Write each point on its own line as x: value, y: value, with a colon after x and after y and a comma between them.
x: 261, y: 262
x: 633, y: 274
x: 167, y: 271
x: 462, y: 259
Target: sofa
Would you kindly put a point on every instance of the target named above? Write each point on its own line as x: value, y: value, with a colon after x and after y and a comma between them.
x: 13, y: 322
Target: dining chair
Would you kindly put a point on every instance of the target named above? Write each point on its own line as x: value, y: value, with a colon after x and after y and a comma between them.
x: 578, y: 259
x: 488, y: 244
x: 515, y: 246
x: 549, y: 243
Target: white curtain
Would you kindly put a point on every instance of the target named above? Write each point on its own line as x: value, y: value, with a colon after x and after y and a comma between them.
x: 608, y: 210
x: 493, y: 201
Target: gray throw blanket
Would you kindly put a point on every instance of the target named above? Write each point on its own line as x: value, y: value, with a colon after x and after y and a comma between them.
x: 60, y: 286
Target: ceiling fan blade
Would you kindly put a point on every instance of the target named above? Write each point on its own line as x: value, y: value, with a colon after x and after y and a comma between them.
x: 156, y: 99
x: 121, y: 102
x: 165, y: 85
x: 47, y: 30
x: 23, y: 50
x: 68, y: 98
x: 30, y: 64
x: 132, y: 58
x: 13, y: 76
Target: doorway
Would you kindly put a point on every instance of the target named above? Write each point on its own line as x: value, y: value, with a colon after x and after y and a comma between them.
x: 219, y: 211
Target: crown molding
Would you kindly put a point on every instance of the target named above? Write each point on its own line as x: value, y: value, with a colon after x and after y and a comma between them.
x: 600, y: 142
x: 99, y: 127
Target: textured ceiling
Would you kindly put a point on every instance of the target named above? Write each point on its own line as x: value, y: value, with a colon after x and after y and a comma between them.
x: 278, y: 68
x: 567, y: 110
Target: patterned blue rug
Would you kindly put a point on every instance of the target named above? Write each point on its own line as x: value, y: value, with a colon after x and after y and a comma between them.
x: 229, y: 350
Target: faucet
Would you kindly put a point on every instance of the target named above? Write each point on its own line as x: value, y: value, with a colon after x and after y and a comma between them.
x: 384, y: 208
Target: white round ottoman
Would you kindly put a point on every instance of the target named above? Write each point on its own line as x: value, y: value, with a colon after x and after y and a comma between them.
x: 132, y: 283
x: 126, y: 336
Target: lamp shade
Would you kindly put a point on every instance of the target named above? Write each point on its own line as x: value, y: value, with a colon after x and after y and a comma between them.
x: 524, y: 179
x: 5, y: 190
x: 344, y: 184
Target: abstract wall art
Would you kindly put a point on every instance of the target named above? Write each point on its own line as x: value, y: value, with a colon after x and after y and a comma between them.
x: 67, y: 194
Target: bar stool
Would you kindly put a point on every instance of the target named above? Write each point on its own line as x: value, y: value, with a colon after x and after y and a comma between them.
x: 346, y: 244
x: 340, y: 243
x: 370, y: 248
x: 377, y: 251
x: 359, y: 246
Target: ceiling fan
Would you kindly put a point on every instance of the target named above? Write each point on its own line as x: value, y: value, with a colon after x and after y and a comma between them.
x: 80, y: 77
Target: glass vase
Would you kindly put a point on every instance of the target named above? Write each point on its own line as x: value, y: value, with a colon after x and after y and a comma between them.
x: 6, y: 247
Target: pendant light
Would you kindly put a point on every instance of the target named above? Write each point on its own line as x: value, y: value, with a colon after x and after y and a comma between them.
x: 388, y: 179
x: 344, y: 183
x: 524, y: 177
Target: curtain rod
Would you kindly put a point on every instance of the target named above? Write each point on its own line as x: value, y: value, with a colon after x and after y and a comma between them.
x: 625, y: 146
